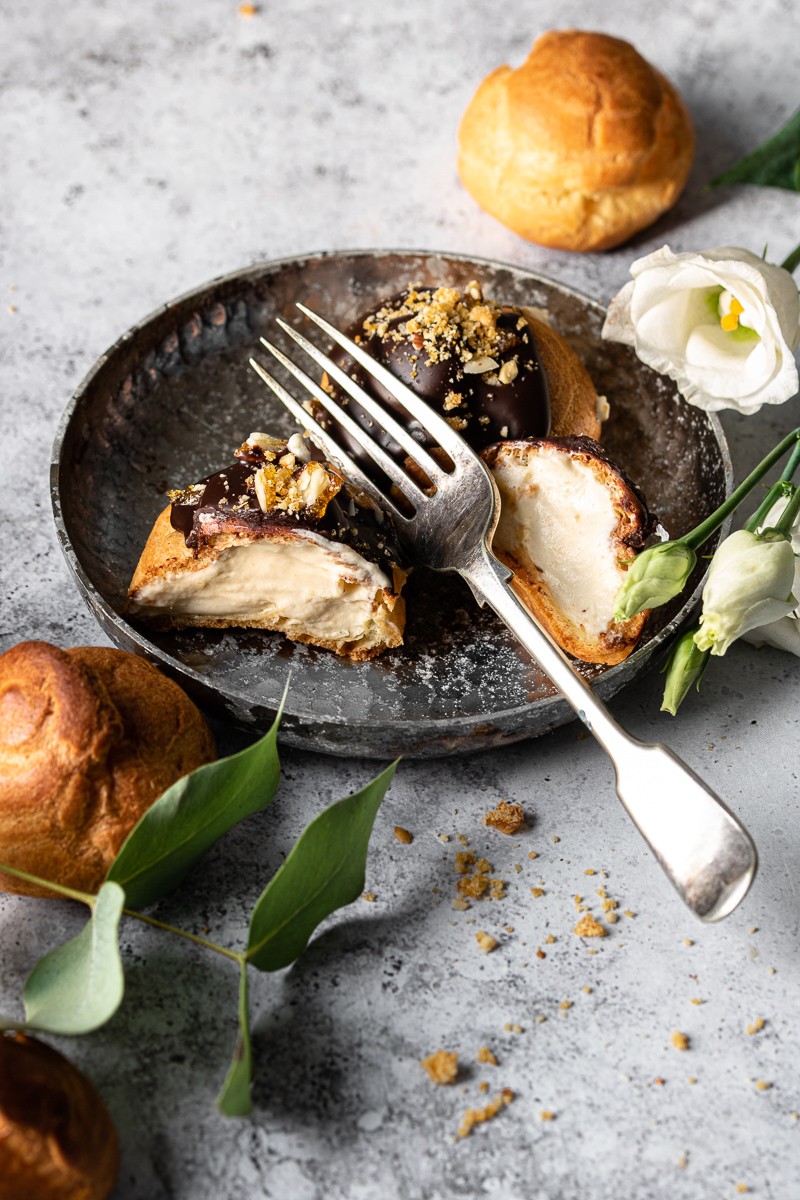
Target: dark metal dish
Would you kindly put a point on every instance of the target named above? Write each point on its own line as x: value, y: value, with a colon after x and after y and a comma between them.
x: 169, y: 401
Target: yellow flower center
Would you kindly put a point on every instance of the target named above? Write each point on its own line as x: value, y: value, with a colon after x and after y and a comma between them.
x: 730, y: 320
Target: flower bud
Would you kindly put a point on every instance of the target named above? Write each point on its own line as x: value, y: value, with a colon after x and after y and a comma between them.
x: 749, y: 584
x: 685, y: 667
x: 654, y: 577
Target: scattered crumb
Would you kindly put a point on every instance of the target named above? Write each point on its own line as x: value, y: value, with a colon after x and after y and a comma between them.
x: 659, y: 1081
x: 533, y: 854
x: 486, y: 942
x: 602, y: 893
x: 609, y: 905
x: 794, y: 1116
x: 587, y: 989
x: 477, y: 1116
x: 497, y: 889
x: 508, y: 818
x: 547, y: 1115
x: 540, y: 1018
x: 536, y: 892
x: 549, y: 940
x: 763, y: 1085
x: 442, y: 1066
x: 756, y: 1026
x: 403, y: 835
x: 692, y: 1079
x: 460, y: 904
x: 462, y: 839
x: 443, y: 837
x: 682, y: 1161
x: 465, y: 861
x: 589, y: 927
x: 485, y: 1055
x: 590, y: 871
x: 12, y: 308
x: 518, y: 867
x: 247, y: 10
x: 369, y: 896
x: 688, y: 942
x: 680, y: 1041
x: 483, y: 1086
x: 696, y: 1000
x: 626, y: 912
x: 508, y: 928
x: 473, y: 886
x: 611, y: 918
x: 555, y: 838
x: 540, y: 952
x: 742, y: 1188
x: 773, y: 970
x: 592, y: 951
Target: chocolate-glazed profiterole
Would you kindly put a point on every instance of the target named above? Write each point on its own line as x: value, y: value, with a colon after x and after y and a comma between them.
x: 494, y: 371
x: 277, y: 540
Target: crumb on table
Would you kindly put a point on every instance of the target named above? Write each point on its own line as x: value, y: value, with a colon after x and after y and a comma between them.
x: 486, y: 942
x: 485, y: 1055
x: 477, y: 1116
x: 680, y: 1041
x: 442, y: 1066
x: 589, y: 926
x: 403, y: 835
x: 508, y: 818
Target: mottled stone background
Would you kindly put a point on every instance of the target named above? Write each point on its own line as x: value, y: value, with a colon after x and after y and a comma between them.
x: 147, y: 147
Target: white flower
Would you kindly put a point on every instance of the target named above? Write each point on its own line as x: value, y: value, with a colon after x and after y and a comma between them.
x: 749, y: 584
x: 784, y: 633
x: 723, y: 325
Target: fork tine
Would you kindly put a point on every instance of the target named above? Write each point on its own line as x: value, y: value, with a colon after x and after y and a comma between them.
x: 430, y: 420
x: 379, y: 414
x: 334, y: 451
x: 356, y: 431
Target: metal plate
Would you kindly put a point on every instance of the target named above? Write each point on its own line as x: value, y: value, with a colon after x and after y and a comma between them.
x: 172, y: 398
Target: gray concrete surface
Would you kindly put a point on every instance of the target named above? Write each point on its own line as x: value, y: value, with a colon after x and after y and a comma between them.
x: 147, y: 147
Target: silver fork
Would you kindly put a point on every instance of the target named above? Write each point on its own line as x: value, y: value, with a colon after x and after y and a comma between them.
x: 704, y: 850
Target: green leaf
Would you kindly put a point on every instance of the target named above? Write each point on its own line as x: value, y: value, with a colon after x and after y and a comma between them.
x: 324, y: 871
x: 234, y: 1097
x: 775, y: 163
x: 191, y: 815
x: 79, y: 986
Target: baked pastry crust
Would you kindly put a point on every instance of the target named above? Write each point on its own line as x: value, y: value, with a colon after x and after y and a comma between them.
x: 545, y: 545
x: 57, y: 1139
x: 166, y: 557
x: 575, y: 407
x: 580, y: 147
x: 89, y: 738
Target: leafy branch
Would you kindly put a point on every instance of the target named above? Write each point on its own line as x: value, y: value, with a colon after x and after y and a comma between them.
x: 79, y: 986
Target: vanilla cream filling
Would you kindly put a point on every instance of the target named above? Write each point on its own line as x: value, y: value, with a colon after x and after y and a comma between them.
x: 557, y: 517
x: 326, y: 593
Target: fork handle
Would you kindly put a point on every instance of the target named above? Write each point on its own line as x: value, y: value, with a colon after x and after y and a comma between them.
x: 705, y: 851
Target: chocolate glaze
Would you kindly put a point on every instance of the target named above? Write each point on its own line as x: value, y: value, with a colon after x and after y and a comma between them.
x: 226, y: 502
x: 513, y: 410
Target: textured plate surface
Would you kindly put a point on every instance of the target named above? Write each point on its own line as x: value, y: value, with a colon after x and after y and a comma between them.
x: 171, y: 399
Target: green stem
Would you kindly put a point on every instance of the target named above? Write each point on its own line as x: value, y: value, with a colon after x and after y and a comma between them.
x: 776, y: 492
x: 711, y: 524
x: 58, y: 888
x: 787, y: 518
x: 792, y: 260
x: 794, y: 462
x: 191, y: 937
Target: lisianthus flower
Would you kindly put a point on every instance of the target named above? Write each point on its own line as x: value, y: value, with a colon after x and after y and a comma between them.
x: 785, y: 632
x: 749, y: 584
x: 654, y: 577
x: 723, y: 324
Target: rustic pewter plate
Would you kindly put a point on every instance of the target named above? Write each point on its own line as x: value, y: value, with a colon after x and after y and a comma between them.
x: 171, y: 399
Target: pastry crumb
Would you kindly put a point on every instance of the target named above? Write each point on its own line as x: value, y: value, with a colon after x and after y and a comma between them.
x: 763, y: 1085
x: 486, y: 942
x: 460, y: 904
x: 547, y: 1115
x: 485, y: 1055
x: 403, y: 835
x: 536, y: 892
x: 588, y: 926
x: 508, y: 818
x: 477, y: 1116
x: 370, y: 896
x: 442, y: 1066
x: 680, y: 1041
x: 756, y: 1026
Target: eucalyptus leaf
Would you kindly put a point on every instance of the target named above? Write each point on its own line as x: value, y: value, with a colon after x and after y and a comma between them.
x: 79, y: 986
x: 191, y: 815
x: 324, y: 871
x: 775, y: 163
x: 234, y: 1097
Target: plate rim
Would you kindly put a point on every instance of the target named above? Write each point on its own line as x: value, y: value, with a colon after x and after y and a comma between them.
x: 96, y: 601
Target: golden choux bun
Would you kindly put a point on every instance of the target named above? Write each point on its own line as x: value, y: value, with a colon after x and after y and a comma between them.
x: 57, y: 1140
x: 574, y: 403
x: 89, y: 738
x: 580, y: 147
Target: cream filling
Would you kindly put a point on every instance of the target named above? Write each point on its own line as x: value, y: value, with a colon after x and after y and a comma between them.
x: 558, y: 518
x: 328, y: 594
